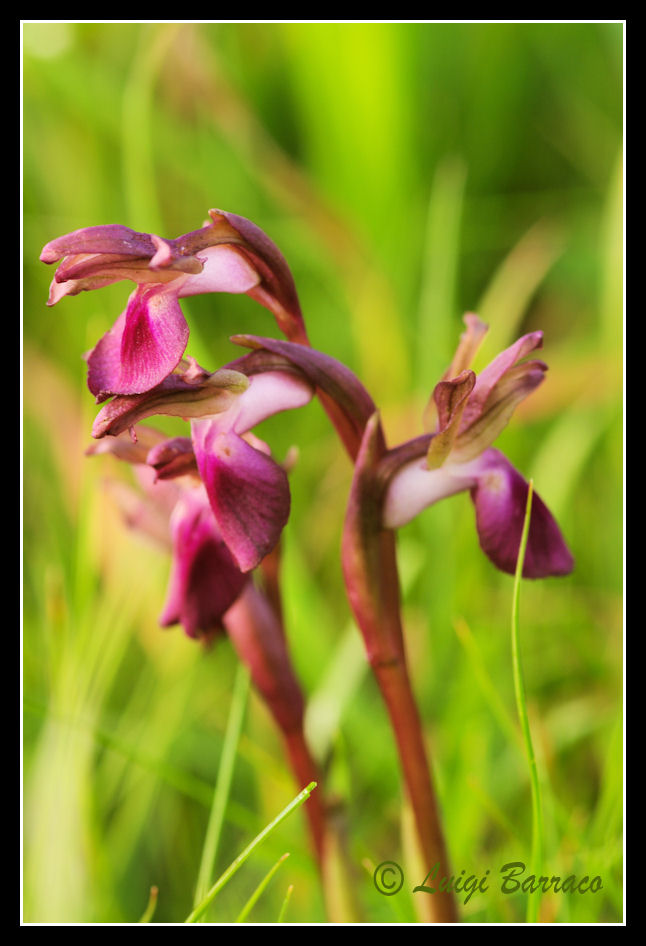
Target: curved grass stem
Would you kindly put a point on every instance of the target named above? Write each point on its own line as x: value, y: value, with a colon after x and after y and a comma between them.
x: 235, y: 865
x: 533, y: 899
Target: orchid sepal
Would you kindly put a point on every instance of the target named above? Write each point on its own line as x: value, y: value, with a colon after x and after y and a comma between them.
x: 344, y: 397
x: 247, y: 489
x: 205, y: 580
x: 203, y: 395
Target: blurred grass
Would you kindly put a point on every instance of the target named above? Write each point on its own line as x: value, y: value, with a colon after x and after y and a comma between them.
x: 409, y: 173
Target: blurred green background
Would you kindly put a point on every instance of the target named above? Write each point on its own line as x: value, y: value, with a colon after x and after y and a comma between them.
x: 409, y: 173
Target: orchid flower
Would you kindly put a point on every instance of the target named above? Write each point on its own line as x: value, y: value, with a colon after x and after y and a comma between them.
x: 205, y: 580
x: 457, y: 456
x: 228, y: 254
x: 210, y: 596
x: 247, y: 490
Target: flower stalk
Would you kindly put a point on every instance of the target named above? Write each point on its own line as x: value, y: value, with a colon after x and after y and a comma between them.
x: 370, y: 570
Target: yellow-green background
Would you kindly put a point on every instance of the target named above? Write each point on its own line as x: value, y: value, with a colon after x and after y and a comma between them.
x: 409, y: 173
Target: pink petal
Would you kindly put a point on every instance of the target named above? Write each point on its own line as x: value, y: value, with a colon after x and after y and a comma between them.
x: 500, y: 497
x: 111, y: 238
x: 143, y: 347
x: 414, y: 488
x: 489, y: 377
x: 225, y: 270
x: 268, y: 394
x: 248, y: 492
x: 344, y: 397
x: 204, y: 581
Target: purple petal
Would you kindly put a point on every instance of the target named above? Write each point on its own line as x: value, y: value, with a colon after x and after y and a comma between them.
x: 72, y: 287
x: 204, y: 395
x: 470, y: 341
x: 172, y: 458
x: 500, y: 498
x: 142, y: 348
x: 112, y: 239
x: 516, y: 384
x: 205, y: 580
x: 248, y: 491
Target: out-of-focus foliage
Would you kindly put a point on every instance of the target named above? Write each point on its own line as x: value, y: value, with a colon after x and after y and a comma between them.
x: 409, y: 173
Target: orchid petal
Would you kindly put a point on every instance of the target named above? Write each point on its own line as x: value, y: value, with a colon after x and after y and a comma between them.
x: 451, y: 398
x: 470, y: 341
x: 500, y: 498
x: 142, y: 348
x: 344, y: 397
x: 204, y: 395
x: 269, y: 394
x: 225, y: 269
x: 415, y: 487
x: 172, y: 458
x: 112, y: 239
x: 514, y: 386
x: 248, y: 491
x: 205, y: 580
x: 495, y: 371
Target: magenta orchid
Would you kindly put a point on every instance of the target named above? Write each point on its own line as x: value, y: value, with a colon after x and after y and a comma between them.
x: 221, y: 501
x: 228, y: 254
x: 247, y: 490
x: 205, y: 580
x: 209, y: 595
x: 471, y: 411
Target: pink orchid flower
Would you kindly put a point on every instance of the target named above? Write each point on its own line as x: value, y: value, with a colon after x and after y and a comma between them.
x: 228, y: 254
x: 247, y: 490
x: 467, y: 413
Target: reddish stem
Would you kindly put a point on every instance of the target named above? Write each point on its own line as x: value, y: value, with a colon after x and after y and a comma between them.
x: 396, y: 690
x: 305, y: 771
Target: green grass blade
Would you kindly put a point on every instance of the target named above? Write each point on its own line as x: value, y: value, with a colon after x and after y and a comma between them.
x: 485, y: 683
x: 223, y: 782
x: 149, y: 912
x: 253, y: 899
x: 241, y: 858
x: 283, y: 909
x: 521, y: 703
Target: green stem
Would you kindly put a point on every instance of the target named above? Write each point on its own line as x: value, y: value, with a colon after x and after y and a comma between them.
x: 223, y: 782
x: 523, y: 716
x: 241, y: 858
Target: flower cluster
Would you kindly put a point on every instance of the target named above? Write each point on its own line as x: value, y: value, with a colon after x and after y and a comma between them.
x: 223, y: 500
x: 243, y: 502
